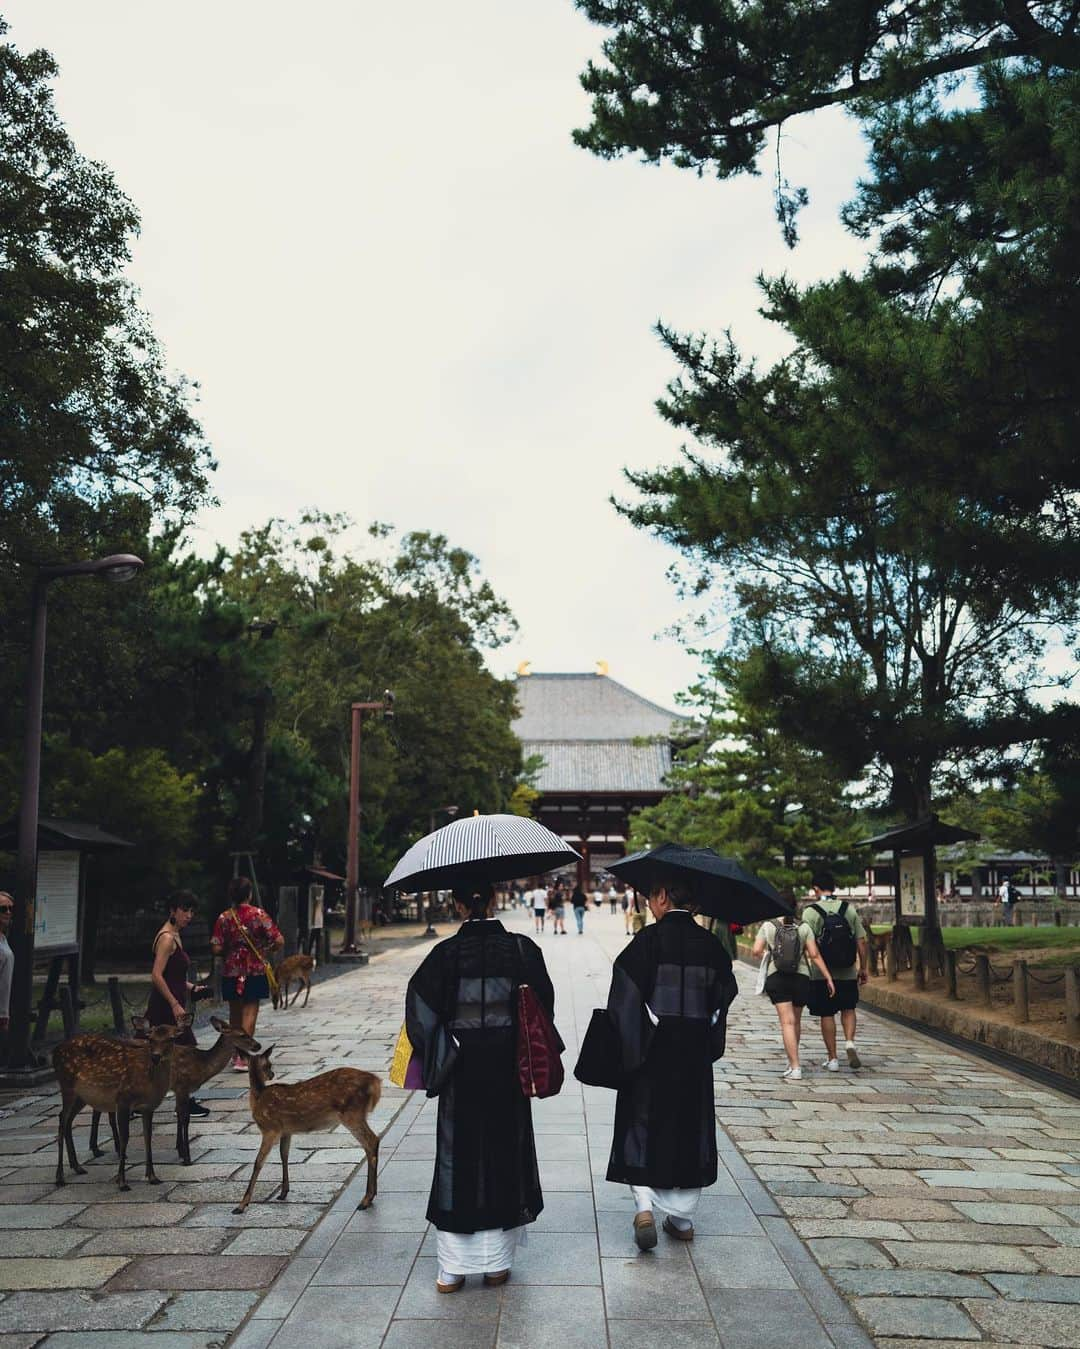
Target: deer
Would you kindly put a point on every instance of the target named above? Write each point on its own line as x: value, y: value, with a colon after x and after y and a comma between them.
x: 191, y: 1067
x: 117, y: 1076
x: 298, y: 968
x: 342, y: 1096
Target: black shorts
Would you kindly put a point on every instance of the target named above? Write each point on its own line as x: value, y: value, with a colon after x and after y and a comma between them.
x: 783, y: 987
x: 846, y: 999
x: 254, y: 988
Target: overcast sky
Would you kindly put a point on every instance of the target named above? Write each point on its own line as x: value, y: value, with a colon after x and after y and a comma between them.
x: 406, y: 295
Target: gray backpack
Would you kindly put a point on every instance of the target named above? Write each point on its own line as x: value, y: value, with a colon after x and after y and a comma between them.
x: 787, y: 948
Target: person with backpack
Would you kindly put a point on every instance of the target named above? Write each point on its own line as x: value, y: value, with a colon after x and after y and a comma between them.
x: 841, y: 939
x: 787, y: 950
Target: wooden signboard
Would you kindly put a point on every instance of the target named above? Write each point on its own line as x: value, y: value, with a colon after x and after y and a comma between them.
x: 912, y: 879
x: 56, y: 919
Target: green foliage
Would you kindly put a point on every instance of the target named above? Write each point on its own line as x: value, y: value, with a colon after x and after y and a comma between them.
x: 750, y: 792
x: 86, y: 406
x: 704, y: 83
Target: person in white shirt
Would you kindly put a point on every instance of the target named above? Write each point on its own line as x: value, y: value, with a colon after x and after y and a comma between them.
x: 538, y: 898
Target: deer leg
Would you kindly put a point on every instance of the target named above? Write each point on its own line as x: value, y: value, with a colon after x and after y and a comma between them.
x: 368, y: 1139
x: 68, y: 1110
x: 148, y: 1130
x: 69, y: 1139
x: 267, y: 1143
x: 183, y: 1130
x: 307, y: 993
x: 283, y: 1148
x: 123, y: 1128
x: 95, y: 1121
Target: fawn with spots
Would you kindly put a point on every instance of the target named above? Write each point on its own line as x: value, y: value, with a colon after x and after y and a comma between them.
x: 342, y: 1096
x: 123, y: 1077
x: 293, y: 967
x: 191, y: 1067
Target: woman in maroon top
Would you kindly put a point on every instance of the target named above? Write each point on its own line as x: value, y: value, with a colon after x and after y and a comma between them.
x: 240, y: 928
x: 170, y: 987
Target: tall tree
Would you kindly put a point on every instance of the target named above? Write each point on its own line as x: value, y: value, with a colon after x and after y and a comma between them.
x: 87, y: 409
x: 705, y: 82
x: 751, y: 792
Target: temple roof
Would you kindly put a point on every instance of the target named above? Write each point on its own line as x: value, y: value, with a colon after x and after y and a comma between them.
x: 600, y: 765
x: 584, y: 727
x: 586, y: 707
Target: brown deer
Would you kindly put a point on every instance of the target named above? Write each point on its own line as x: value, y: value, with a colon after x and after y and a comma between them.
x: 342, y: 1096
x: 191, y: 1067
x: 118, y: 1076
x: 298, y: 968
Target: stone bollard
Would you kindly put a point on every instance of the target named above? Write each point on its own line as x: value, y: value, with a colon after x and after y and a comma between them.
x: 1020, y: 990
x: 950, y: 974
x: 982, y: 979
x: 1072, y: 1000
x: 918, y: 968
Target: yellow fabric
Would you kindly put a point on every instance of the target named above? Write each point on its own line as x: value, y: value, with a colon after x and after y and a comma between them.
x: 402, y: 1054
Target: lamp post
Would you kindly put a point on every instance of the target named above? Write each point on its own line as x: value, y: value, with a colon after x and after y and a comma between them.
x: 118, y: 567
x: 452, y: 811
x: 385, y: 705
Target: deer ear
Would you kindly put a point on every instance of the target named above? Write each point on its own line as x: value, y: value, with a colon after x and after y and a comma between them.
x: 218, y: 1024
x: 139, y: 1023
x: 186, y: 1021
x: 268, y: 1051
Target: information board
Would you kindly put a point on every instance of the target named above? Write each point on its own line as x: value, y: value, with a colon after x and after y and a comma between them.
x: 912, y: 887
x: 57, y: 912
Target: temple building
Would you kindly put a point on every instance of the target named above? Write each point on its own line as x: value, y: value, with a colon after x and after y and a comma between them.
x: 605, y: 752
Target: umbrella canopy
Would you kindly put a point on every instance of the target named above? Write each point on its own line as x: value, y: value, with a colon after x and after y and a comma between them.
x: 718, y: 886
x: 480, y: 848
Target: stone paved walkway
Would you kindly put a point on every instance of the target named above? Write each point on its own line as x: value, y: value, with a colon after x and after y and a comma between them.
x: 941, y: 1196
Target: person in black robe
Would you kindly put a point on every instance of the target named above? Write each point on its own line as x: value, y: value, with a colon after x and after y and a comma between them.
x: 670, y: 992
x: 460, y: 1011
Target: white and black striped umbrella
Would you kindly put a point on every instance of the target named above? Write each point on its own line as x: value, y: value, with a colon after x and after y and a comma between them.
x: 480, y: 848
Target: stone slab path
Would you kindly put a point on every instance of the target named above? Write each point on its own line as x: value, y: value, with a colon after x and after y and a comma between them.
x: 927, y: 1199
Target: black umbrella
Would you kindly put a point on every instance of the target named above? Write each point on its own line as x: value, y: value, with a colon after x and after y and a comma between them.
x: 480, y: 848
x: 717, y: 886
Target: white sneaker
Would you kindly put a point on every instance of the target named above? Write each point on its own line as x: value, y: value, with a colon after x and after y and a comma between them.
x: 833, y: 1065
x: 794, y: 1075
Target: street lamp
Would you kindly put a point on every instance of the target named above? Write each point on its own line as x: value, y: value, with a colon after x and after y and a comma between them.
x: 429, y: 931
x: 385, y: 705
x: 117, y: 567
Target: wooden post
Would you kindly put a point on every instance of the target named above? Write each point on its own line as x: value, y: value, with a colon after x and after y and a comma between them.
x: 1057, y: 917
x: 67, y: 1010
x: 1020, y: 990
x: 48, y: 998
x: 950, y: 971
x: 117, y: 1003
x: 982, y: 979
x: 890, y: 962
x: 919, y: 968
x: 1072, y: 1000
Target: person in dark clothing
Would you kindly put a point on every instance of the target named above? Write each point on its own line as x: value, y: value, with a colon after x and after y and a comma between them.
x: 169, y: 984
x: 670, y: 992
x: 579, y: 902
x: 487, y: 1182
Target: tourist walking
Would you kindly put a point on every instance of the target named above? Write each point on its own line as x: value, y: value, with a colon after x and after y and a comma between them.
x: 538, y: 897
x: 245, y: 935
x: 613, y: 896
x: 486, y: 1183
x: 670, y: 992
x: 787, y: 949
x: 557, y: 907
x: 841, y: 939
x: 579, y: 902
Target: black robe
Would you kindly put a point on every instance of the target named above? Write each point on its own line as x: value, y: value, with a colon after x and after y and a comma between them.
x: 486, y: 1174
x: 665, y: 1119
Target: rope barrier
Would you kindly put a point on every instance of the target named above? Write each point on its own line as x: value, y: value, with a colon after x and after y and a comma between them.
x: 1054, y: 979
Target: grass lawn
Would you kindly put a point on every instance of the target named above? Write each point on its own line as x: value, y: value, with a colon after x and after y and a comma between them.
x: 1065, y: 939
x: 97, y: 1014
